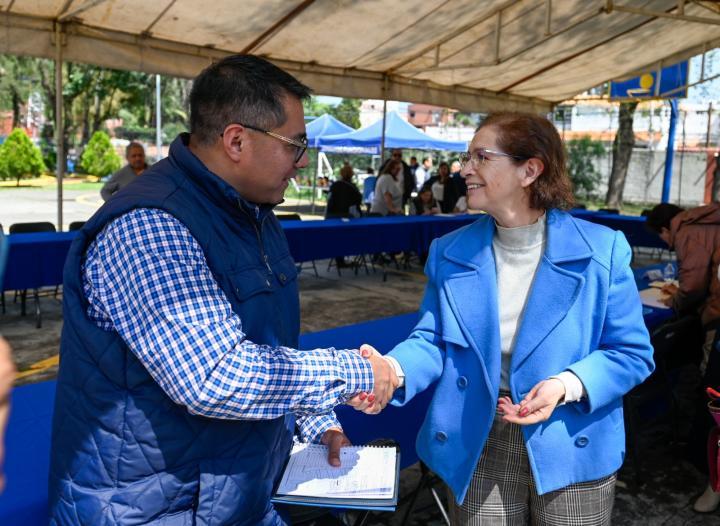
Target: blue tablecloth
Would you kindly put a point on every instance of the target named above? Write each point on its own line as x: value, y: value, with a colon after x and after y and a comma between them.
x: 632, y: 226
x: 37, y: 260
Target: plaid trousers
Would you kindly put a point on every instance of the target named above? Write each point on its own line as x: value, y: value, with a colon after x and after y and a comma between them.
x: 503, y: 492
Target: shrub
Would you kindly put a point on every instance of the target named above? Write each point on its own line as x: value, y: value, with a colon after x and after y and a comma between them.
x: 19, y: 157
x: 581, y: 155
x: 99, y: 157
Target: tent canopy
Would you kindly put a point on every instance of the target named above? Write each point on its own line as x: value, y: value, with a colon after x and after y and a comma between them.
x: 398, y: 134
x: 324, y: 125
x: 464, y: 54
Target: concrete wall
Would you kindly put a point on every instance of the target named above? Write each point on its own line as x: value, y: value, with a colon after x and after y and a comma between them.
x: 645, y: 177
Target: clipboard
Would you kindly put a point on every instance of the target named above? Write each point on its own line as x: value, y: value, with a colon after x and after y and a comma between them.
x: 309, y: 481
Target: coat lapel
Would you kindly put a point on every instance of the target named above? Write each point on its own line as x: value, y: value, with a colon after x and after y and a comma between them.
x: 555, y: 288
x: 472, y: 294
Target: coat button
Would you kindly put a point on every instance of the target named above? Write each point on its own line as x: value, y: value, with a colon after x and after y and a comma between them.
x: 462, y: 382
x: 441, y: 436
x: 582, y: 441
x: 283, y: 278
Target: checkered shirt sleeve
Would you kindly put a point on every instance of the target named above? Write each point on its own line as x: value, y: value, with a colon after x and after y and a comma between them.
x: 146, y: 277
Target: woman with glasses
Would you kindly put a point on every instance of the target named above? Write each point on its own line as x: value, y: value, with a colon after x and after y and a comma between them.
x: 532, y: 330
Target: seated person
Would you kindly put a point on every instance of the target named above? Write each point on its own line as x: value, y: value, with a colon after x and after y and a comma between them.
x: 424, y: 204
x: 388, y: 192
x: 345, y: 198
x: 444, y: 190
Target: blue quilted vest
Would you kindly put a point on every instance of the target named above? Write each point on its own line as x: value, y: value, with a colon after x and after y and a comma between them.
x: 122, y: 451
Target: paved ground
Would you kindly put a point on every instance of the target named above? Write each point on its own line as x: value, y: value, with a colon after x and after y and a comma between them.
x: 330, y: 301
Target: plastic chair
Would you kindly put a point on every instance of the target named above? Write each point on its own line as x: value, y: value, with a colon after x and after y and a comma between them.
x: 28, y: 228
x: 369, y: 190
x: 76, y: 225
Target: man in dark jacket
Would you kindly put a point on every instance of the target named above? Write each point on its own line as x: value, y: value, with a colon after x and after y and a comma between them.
x: 180, y: 382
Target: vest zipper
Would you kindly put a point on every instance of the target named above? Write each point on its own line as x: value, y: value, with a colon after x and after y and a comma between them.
x: 258, y: 233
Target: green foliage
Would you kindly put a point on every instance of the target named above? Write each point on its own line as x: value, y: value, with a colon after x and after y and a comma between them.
x: 19, y: 157
x: 581, y: 155
x: 347, y: 111
x: 99, y: 157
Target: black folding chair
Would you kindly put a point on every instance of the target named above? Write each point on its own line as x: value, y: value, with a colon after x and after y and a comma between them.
x: 28, y: 228
x: 676, y: 344
x: 76, y: 225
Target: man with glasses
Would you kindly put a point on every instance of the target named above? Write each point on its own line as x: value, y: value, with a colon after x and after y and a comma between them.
x: 180, y: 382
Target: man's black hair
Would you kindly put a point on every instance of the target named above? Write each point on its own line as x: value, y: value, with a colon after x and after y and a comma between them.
x: 660, y: 216
x: 240, y: 89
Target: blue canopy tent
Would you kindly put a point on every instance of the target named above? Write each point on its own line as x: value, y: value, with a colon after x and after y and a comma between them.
x: 324, y: 125
x: 398, y: 134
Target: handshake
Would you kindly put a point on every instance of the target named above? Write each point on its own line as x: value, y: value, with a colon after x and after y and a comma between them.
x: 385, y: 383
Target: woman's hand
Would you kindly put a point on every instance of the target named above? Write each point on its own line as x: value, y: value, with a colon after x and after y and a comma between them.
x: 537, y: 406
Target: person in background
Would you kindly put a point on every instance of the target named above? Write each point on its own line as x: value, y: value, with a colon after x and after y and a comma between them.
x: 444, y: 190
x: 344, y: 200
x: 180, y: 383
x: 424, y: 172
x: 388, y: 192
x: 136, y: 165
x: 527, y: 314
x: 694, y: 235
x: 458, y: 180
x: 406, y: 177
x: 7, y: 377
x: 414, y: 166
x: 424, y: 204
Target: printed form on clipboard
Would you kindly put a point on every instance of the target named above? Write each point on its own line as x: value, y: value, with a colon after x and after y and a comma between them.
x: 366, y: 479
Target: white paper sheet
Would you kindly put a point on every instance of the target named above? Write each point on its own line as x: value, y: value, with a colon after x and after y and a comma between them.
x: 365, y: 472
x: 652, y: 297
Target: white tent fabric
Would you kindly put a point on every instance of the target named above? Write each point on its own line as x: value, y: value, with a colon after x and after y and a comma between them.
x: 466, y: 54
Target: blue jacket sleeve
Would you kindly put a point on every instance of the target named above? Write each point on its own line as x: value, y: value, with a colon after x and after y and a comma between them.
x: 422, y: 355
x: 624, y: 357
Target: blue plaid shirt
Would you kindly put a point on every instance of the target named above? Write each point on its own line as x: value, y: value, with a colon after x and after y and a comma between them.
x: 146, y: 277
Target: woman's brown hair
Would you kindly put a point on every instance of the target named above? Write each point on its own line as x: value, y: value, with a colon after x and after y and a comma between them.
x: 525, y: 135
x: 389, y: 168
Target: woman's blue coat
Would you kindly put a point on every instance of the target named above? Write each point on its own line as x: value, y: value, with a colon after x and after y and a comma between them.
x: 583, y: 314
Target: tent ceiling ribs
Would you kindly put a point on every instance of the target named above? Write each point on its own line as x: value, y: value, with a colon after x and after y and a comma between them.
x: 65, y: 15
x: 9, y: 6
x: 148, y: 29
x: 662, y: 14
x: 453, y: 34
x: 421, y: 16
x: 712, y: 7
x: 575, y: 55
x: 517, y: 53
x: 277, y: 26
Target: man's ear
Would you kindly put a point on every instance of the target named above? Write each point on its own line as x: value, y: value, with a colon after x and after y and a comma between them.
x: 533, y: 168
x: 232, y: 140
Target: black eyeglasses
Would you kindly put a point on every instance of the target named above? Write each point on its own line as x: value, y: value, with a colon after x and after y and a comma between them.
x: 300, y: 145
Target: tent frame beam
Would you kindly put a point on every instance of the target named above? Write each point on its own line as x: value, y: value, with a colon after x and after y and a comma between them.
x: 184, y: 60
x: 276, y: 27
x: 662, y: 14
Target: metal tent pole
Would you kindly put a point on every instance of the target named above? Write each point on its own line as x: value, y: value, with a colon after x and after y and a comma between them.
x: 382, y: 137
x: 670, y: 152
x: 59, y: 125
x: 158, y: 120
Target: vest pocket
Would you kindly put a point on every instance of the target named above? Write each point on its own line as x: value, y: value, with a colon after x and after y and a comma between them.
x: 252, y: 281
x: 285, y: 270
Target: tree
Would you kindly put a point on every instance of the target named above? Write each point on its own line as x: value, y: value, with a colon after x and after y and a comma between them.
x: 581, y: 156
x: 99, y: 157
x: 622, y: 151
x: 16, y: 81
x: 19, y: 157
x: 348, y: 112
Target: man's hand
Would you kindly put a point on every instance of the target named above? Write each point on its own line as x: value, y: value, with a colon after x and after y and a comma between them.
x: 537, y: 406
x: 7, y: 376
x: 334, y: 439
x: 384, y: 379
x: 669, y: 290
